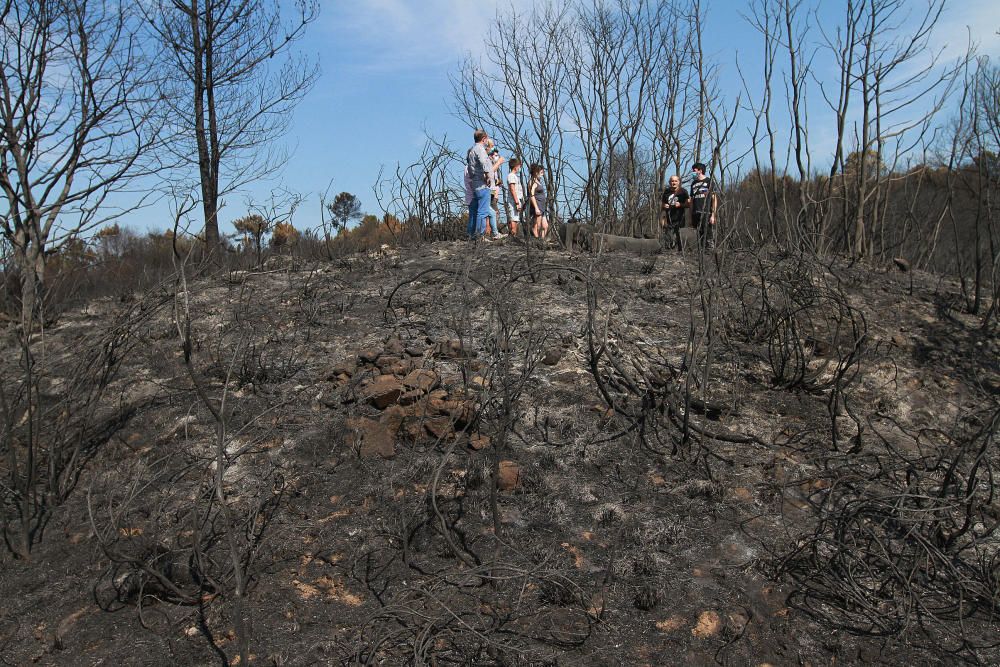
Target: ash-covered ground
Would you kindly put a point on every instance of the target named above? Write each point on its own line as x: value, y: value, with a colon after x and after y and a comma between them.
x: 499, y: 455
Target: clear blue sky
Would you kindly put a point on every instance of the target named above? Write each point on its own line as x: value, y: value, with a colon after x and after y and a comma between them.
x: 385, y: 80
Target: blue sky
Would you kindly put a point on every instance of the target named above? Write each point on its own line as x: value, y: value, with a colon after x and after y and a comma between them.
x: 385, y: 81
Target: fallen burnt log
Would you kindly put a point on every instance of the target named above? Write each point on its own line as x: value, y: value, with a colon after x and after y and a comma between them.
x: 586, y: 237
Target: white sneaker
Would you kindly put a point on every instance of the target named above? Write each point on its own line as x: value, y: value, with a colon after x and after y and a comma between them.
x: 499, y: 236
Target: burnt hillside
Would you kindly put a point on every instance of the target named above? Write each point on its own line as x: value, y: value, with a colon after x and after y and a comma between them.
x: 498, y: 455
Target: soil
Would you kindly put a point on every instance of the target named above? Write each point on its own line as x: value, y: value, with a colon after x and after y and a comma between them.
x: 680, y: 446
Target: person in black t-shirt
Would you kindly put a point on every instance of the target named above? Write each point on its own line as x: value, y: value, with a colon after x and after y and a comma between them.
x: 703, y: 205
x: 675, y: 204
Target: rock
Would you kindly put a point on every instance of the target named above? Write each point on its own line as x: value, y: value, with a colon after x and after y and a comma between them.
x: 369, y: 355
x: 438, y: 405
x: 385, y: 361
x: 343, y: 367
x: 401, y: 367
x: 510, y: 475
x: 413, y: 429
x: 552, y: 356
x: 454, y: 349
x: 899, y: 341
x: 478, y: 442
x: 383, y: 391
x: 393, y: 418
x: 414, y: 351
x: 462, y: 412
x: 708, y: 625
x: 736, y: 623
x: 394, y: 346
x: 422, y: 379
x: 440, y: 427
x: 410, y: 397
x: 376, y: 439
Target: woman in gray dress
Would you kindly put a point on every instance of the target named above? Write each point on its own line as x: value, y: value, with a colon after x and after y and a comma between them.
x: 536, y: 198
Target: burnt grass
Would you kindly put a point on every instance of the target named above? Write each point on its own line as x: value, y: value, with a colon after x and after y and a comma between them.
x: 745, y: 459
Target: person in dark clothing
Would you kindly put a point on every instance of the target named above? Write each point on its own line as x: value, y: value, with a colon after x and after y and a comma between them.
x: 675, y: 204
x: 704, y: 204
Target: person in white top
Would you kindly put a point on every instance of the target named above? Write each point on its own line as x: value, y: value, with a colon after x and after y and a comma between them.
x: 494, y: 154
x: 515, y: 196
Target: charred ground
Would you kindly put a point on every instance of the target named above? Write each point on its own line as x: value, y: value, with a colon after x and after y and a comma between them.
x: 498, y: 455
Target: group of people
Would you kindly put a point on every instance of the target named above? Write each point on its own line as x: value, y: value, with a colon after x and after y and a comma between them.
x: 702, y: 202
x: 483, y: 193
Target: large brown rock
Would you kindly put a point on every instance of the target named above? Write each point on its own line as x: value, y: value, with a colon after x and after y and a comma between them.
x: 423, y: 379
x: 510, y: 475
x: 374, y: 439
x: 410, y: 397
x: 386, y: 360
x: 401, y: 367
x: 413, y: 429
x: 478, y: 442
x: 454, y: 349
x: 441, y: 428
x: 393, y: 418
x: 459, y: 411
x: 341, y: 368
x: 383, y: 391
x: 552, y: 356
x: 369, y: 355
x: 394, y: 345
